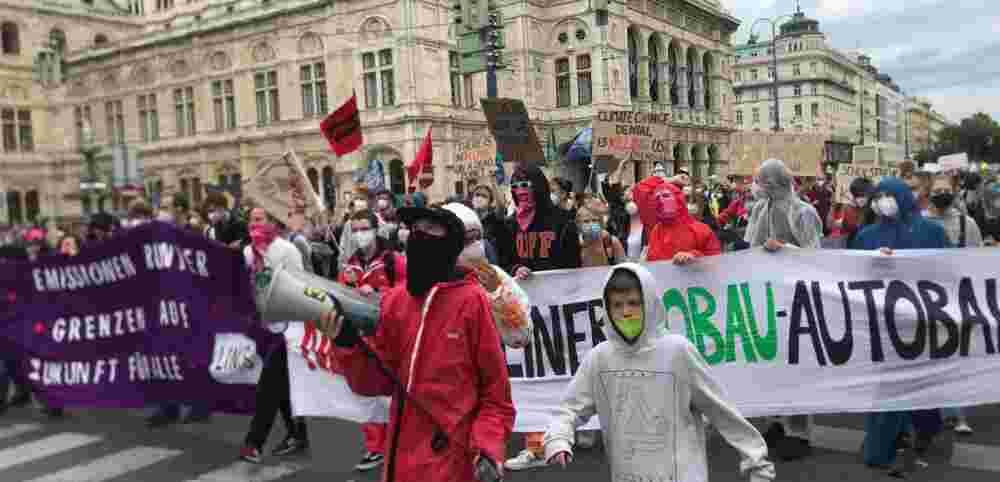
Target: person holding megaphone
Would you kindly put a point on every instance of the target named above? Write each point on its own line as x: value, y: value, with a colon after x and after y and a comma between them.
x: 437, y: 353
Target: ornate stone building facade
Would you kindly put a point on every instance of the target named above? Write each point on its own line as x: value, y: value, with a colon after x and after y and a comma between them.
x: 206, y: 91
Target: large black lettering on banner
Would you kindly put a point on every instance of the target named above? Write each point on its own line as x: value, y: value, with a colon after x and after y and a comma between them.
x: 559, y: 332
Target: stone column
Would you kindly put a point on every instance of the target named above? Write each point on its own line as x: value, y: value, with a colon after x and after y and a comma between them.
x: 642, y: 54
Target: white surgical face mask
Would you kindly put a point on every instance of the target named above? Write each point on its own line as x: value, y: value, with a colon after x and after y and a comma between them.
x: 887, y: 206
x: 555, y: 198
x: 365, y: 239
x: 692, y: 208
x: 403, y: 234
x: 382, y: 204
x: 473, y: 253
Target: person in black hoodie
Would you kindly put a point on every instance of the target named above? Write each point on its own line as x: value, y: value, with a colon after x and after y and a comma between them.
x: 538, y: 237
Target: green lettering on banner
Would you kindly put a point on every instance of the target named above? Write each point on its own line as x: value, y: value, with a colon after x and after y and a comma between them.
x: 674, y: 299
x: 703, y: 326
x: 736, y: 326
x: 767, y: 346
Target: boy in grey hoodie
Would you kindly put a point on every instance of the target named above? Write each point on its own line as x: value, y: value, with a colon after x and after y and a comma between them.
x: 650, y: 390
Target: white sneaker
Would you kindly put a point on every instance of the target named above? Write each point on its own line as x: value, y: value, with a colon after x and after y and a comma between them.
x: 586, y: 439
x: 963, y: 428
x: 524, y: 461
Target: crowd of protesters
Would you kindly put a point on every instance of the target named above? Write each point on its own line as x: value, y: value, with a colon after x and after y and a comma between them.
x: 383, y: 241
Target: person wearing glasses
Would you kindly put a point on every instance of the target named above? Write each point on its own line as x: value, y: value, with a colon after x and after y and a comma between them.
x: 540, y: 236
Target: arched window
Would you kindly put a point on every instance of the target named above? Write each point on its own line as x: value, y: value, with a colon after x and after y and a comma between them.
x: 314, y: 179
x: 10, y: 39
x: 633, y: 64
x: 329, y: 187
x: 57, y: 41
x: 32, y: 208
x: 397, y: 177
x: 654, y: 68
x: 100, y: 40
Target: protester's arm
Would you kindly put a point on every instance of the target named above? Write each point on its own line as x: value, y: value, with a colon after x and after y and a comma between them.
x: 577, y: 408
x: 361, y: 371
x: 973, y: 236
x: 811, y: 229
x: 706, y: 397
x: 495, y: 419
x: 711, y: 245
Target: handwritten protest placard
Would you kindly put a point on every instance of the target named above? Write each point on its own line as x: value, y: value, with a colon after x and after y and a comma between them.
x: 640, y: 135
x: 802, y: 153
x: 953, y: 161
x: 847, y: 173
x: 511, y: 127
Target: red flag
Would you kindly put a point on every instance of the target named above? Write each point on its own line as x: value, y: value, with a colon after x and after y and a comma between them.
x: 342, y: 128
x: 423, y: 161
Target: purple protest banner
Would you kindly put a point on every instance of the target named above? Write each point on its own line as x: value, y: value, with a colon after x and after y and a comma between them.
x: 155, y: 314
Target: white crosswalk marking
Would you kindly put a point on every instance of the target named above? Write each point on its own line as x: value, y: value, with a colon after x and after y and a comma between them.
x: 246, y: 472
x: 111, y: 466
x: 46, y: 447
x: 18, y: 429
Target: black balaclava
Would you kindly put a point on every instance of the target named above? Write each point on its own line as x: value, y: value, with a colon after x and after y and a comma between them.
x: 431, y: 260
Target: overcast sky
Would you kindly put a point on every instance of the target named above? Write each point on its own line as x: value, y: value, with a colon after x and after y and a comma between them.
x: 945, y: 50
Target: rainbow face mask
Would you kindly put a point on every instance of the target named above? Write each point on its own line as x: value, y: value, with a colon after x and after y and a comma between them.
x: 629, y: 326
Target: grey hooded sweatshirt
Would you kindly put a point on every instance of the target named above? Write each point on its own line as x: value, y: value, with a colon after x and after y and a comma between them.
x: 650, y: 397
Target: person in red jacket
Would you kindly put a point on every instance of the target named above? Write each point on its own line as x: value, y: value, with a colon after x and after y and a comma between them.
x: 374, y: 268
x: 674, y: 234
x: 437, y: 353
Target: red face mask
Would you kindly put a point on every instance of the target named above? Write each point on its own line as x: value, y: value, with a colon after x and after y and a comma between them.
x: 262, y: 235
x: 667, y: 207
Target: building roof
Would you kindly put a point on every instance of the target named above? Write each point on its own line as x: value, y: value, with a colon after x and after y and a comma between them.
x: 800, y: 25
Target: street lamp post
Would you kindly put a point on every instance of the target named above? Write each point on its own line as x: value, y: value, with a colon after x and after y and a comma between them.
x: 774, y: 60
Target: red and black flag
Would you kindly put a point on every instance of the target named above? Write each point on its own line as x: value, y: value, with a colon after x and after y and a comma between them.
x: 342, y: 128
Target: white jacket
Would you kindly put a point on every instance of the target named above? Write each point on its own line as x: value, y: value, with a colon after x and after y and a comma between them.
x: 650, y: 397
x: 281, y: 253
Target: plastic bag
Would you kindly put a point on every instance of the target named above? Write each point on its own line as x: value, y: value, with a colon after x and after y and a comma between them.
x: 511, y: 307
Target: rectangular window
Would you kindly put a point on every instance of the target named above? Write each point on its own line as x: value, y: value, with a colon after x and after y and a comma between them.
x: 770, y: 73
x: 739, y: 117
x: 798, y: 90
x: 815, y: 89
x: 739, y: 98
x: 266, y: 90
x: 815, y: 109
x: 753, y: 74
x: 313, y: 78
x: 798, y: 110
x: 455, y: 71
x: 756, y: 95
x: 378, y: 79
x: 164, y: 4
x: 470, y: 91
x: 9, y: 130
x: 770, y: 114
x: 756, y: 115
x: 562, y: 83
x: 795, y: 70
x: 739, y: 76
x: 812, y: 66
x: 149, y: 118
x: 184, y: 110
x: 583, y: 84
x: 224, y: 104
x: 115, y: 117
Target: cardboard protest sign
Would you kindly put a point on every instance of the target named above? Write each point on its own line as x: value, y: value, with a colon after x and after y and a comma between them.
x: 641, y: 135
x: 802, y: 153
x: 847, y: 173
x: 282, y: 188
x: 515, y: 137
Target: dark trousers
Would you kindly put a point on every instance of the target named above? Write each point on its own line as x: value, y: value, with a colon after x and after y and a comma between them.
x: 273, y: 397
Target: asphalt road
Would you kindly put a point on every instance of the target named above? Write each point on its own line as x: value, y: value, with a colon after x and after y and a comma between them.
x: 114, y: 445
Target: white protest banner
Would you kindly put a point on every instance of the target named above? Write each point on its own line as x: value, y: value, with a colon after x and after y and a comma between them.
x: 317, y: 388
x: 953, y: 161
x: 795, y: 331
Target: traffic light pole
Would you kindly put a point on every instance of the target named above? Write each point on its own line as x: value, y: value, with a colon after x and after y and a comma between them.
x: 492, y: 34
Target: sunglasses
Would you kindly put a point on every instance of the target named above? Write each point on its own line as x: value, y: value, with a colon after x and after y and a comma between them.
x: 520, y: 185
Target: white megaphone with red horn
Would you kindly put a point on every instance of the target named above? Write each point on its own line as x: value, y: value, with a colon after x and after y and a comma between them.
x: 289, y: 295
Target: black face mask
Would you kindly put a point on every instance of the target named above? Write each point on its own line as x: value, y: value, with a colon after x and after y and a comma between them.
x: 428, y: 262
x: 943, y: 200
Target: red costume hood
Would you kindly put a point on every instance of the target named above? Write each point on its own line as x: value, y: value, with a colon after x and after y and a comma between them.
x: 644, y: 195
